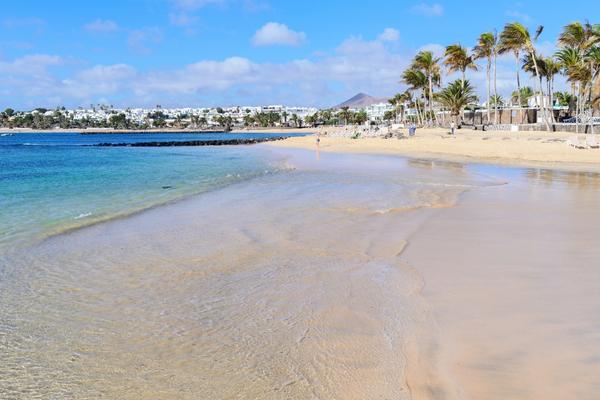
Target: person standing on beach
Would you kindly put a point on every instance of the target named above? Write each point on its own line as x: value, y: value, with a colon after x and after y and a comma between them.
x: 412, y: 129
x: 452, y: 127
x: 317, y: 143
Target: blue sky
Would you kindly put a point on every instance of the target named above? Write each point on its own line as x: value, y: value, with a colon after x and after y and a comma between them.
x: 242, y: 52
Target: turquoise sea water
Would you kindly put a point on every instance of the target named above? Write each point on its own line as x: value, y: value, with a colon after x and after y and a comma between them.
x: 51, y: 182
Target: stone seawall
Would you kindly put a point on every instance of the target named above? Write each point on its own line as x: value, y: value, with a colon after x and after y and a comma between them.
x: 188, y: 143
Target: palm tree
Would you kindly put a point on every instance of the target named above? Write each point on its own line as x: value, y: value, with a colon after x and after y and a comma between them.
x: 522, y: 95
x: 403, y: 98
x: 529, y: 63
x: 548, y: 68
x: 577, y: 35
x: 505, y: 45
x: 487, y: 48
x: 577, y: 72
x: 398, y: 103
x: 565, y: 99
x: 416, y: 81
x: 344, y: 114
x: 456, y: 96
x: 429, y: 65
x: 516, y: 36
x: 394, y: 103
x: 552, y: 68
x: 295, y: 120
x: 248, y: 120
x: 284, y: 115
x: 593, y: 57
x: 457, y: 58
x: 583, y: 39
x: 497, y: 101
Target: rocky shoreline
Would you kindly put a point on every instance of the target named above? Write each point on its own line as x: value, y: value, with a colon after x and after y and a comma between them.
x: 189, y: 143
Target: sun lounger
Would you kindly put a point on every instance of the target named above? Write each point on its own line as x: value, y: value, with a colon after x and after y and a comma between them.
x: 592, y: 142
x: 577, y: 143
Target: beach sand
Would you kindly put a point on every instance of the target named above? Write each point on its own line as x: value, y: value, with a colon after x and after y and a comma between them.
x: 538, y: 149
x: 349, y: 276
x: 511, y: 277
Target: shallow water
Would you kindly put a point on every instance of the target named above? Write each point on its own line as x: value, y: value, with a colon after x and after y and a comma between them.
x: 285, y: 286
x: 52, y: 182
x: 304, y: 283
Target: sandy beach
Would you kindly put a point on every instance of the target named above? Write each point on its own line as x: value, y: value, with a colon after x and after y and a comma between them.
x: 392, y: 277
x: 530, y: 149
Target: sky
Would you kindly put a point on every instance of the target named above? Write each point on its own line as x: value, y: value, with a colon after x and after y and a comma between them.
x: 201, y: 53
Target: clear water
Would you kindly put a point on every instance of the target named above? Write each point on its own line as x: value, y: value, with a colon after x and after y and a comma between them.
x: 324, y: 280
x: 52, y: 182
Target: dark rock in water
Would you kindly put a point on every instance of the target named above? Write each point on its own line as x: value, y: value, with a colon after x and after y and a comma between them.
x: 222, y: 142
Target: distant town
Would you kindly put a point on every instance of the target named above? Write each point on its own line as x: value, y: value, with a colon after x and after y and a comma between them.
x: 361, y: 109
x: 109, y: 117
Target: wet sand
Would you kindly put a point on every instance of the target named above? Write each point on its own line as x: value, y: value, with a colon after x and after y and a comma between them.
x: 350, y: 277
x: 513, y: 283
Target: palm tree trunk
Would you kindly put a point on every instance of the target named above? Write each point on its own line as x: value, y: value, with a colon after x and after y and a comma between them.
x: 519, y: 84
x: 542, y: 105
x: 577, y: 107
x: 489, y: 67
x: 495, y: 89
x: 419, y: 119
x: 591, y: 109
x: 431, y: 98
x: 550, y: 82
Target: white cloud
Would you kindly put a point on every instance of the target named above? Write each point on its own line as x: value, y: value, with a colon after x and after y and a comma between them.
x: 256, y: 5
x: 274, y: 33
x: 437, y: 49
x: 28, y: 22
x: 28, y: 77
x: 518, y: 15
x: 195, y: 4
x: 98, y: 80
x: 389, y: 35
x: 356, y: 65
x: 140, y: 40
x: 34, y: 64
x: 102, y: 73
x: 182, y: 19
x: 102, y: 26
x: 200, y: 76
x: 428, y: 10
x: 546, y: 48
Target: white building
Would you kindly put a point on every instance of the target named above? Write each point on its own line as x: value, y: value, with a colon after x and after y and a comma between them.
x: 376, y: 112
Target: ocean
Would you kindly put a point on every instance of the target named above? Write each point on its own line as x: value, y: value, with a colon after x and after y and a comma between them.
x: 53, y: 182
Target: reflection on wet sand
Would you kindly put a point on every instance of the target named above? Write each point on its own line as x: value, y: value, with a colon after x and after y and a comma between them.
x: 578, y: 179
x: 432, y: 164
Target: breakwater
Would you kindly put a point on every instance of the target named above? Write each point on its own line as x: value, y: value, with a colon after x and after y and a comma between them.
x: 188, y: 143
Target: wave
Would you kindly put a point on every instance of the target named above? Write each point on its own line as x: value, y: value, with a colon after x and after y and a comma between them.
x: 83, y: 220
x: 83, y: 215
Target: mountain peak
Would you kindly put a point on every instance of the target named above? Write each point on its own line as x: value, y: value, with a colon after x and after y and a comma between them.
x: 360, y: 100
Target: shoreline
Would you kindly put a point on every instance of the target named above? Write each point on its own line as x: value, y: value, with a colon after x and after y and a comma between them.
x: 385, y: 254
x: 508, y: 149
x: 94, y: 131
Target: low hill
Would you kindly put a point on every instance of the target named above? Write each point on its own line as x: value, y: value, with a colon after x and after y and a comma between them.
x: 360, y: 100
